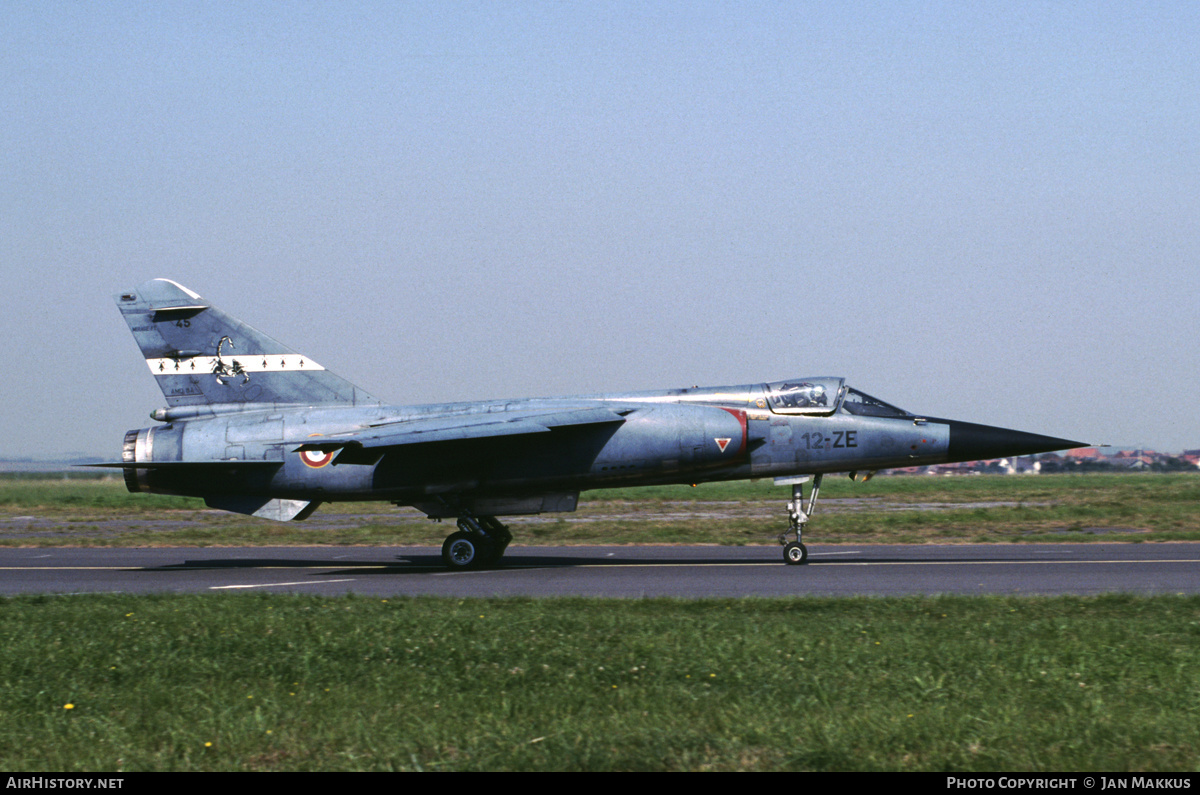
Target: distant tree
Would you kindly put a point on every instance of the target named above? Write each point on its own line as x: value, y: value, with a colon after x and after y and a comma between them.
x: 1172, y: 464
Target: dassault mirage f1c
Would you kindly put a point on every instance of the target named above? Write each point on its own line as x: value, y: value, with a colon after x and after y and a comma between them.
x: 254, y: 427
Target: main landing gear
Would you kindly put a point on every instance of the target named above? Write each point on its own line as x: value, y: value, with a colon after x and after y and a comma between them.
x: 480, y: 541
x: 794, y: 552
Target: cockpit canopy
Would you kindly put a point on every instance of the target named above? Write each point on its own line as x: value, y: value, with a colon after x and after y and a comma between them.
x: 824, y: 396
x: 805, y: 395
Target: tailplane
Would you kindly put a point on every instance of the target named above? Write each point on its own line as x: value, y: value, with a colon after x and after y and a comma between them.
x: 201, y: 356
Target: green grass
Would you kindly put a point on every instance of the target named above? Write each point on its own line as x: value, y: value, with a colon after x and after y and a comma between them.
x: 300, y: 683
x: 282, y: 682
x: 1133, y: 507
x: 76, y: 493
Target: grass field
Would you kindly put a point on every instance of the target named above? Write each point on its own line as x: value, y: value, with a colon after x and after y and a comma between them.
x: 117, y: 683
x: 276, y: 682
x: 1152, y: 507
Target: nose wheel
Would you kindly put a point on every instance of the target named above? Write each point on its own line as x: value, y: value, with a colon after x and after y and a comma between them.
x: 794, y: 552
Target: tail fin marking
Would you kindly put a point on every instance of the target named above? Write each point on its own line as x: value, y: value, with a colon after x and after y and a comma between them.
x: 201, y: 356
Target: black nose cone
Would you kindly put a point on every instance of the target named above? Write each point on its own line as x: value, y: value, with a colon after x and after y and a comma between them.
x: 972, y: 442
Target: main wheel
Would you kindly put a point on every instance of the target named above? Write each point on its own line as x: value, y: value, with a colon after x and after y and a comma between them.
x: 795, y: 554
x: 462, y: 551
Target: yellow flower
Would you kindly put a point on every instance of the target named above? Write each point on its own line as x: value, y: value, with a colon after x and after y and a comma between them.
x: 68, y: 706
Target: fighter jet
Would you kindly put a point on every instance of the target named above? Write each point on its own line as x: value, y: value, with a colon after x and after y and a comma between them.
x: 254, y: 427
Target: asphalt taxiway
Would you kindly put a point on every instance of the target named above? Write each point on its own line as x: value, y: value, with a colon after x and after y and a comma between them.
x: 624, y: 571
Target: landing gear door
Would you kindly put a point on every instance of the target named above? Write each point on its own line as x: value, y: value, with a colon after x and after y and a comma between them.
x: 819, y: 396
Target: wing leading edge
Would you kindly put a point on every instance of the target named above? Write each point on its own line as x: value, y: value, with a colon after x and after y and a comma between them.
x: 366, y: 446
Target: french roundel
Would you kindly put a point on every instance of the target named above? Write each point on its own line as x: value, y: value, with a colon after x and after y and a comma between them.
x: 316, y: 458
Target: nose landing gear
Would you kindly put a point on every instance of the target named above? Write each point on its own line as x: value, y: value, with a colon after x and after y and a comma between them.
x: 794, y: 552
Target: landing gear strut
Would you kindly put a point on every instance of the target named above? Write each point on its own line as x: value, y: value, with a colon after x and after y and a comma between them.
x: 480, y: 541
x: 794, y: 552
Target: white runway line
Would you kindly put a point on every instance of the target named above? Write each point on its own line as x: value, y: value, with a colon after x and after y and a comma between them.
x: 275, y: 584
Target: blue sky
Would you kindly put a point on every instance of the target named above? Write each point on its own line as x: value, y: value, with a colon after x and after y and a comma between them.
x: 985, y: 211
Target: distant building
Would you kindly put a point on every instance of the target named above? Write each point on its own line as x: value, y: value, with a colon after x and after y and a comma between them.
x: 1083, y: 459
x: 1088, y: 453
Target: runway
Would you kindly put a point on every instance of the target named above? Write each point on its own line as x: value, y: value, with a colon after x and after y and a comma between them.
x: 688, y: 572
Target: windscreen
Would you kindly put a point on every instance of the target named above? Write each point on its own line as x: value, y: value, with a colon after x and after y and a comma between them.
x: 864, y: 405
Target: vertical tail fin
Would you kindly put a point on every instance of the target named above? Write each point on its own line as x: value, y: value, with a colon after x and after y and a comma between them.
x: 201, y: 356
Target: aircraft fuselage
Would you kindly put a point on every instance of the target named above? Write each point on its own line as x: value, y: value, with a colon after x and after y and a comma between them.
x: 255, y: 427
x: 675, y: 436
